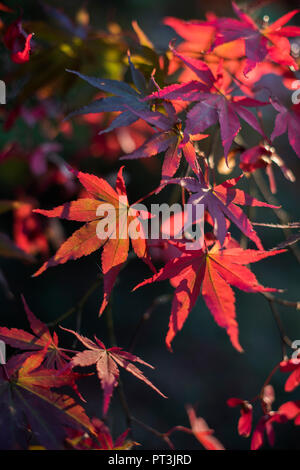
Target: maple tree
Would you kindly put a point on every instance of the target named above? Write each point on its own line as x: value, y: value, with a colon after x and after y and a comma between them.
x: 210, y: 120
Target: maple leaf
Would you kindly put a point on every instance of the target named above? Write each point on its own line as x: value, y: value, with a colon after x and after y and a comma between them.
x: 199, y: 38
x: 265, y: 425
x: 291, y: 410
x: 5, y: 8
x: 18, y: 42
x: 221, y: 201
x: 9, y: 250
x: 27, y: 398
x: 123, y: 222
x: 107, y: 362
x: 212, y: 273
x: 287, y: 120
x: 29, y: 233
x: 169, y: 138
x: 262, y: 156
x: 124, y: 96
x: 202, y: 432
x: 214, y: 103
x: 41, y: 338
x: 198, y: 35
x: 270, y: 40
x: 191, y: 90
x: 213, y: 108
x: 245, y: 421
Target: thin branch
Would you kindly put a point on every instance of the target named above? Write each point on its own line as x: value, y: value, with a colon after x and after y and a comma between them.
x: 161, y: 435
x: 281, y: 214
x: 80, y: 304
x: 289, y: 225
x: 267, y: 381
x: 113, y: 342
x: 286, y: 303
x: 250, y: 211
x: 285, y: 340
x: 110, y: 324
x: 145, y: 317
x: 124, y: 404
x: 111, y: 331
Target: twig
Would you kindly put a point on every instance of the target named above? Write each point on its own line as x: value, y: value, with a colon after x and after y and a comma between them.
x: 113, y: 342
x: 281, y: 214
x: 267, y: 381
x: 111, y: 331
x: 79, y: 306
x: 145, y: 317
x: 78, y: 326
x: 161, y: 435
x: 285, y: 340
x: 286, y: 303
x: 110, y: 324
x: 289, y: 225
x: 250, y: 214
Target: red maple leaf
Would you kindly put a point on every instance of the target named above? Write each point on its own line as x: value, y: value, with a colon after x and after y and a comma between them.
x: 269, y: 40
x: 27, y: 398
x: 79, y: 440
x: 198, y: 35
x: 18, y: 42
x: 5, y: 8
x: 291, y: 410
x: 212, y: 273
x: 122, y: 221
x: 293, y: 366
x: 222, y: 201
x: 202, y: 432
x: 265, y: 425
x: 214, y: 102
x: 245, y: 421
x: 287, y: 120
x: 170, y: 138
x: 29, y: 233
x: 107, y: 362
x: 20, y: 339
x: 262, y: 156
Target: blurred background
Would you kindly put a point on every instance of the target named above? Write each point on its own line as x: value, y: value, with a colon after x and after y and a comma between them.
x: 204, y: 369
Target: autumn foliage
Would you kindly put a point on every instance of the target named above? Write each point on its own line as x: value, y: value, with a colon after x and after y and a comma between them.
x: 200, y: 122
